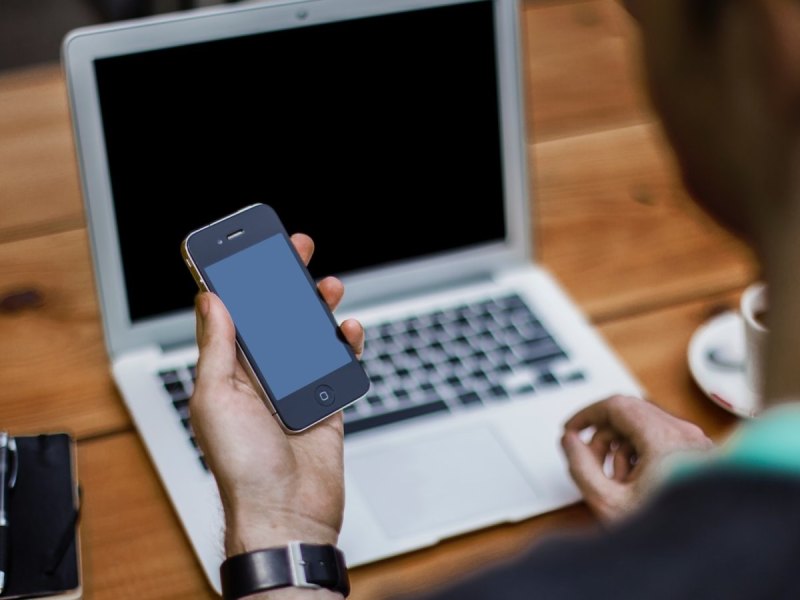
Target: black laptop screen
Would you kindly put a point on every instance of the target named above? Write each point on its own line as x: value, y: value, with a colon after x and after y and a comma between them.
x: 379, y: 137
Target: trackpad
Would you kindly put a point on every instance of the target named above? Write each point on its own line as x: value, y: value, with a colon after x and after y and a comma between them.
x: 428, y: 483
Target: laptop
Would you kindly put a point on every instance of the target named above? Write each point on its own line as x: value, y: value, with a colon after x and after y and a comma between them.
x: 392, y: 132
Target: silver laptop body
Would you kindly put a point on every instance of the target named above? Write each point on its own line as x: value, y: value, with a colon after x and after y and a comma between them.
x: 459, y: 456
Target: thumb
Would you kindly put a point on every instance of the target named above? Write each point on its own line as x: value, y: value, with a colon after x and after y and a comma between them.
x: 216, y: 338
x: 587, y: 472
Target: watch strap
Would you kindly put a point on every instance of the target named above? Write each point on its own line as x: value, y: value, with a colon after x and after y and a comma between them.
x: 297, y: 564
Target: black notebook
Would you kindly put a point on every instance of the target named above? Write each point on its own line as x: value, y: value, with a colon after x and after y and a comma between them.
x: 43, y: 508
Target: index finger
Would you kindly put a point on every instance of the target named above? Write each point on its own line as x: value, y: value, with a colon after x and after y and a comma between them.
x: 304, y: 246
x: 614, y: 413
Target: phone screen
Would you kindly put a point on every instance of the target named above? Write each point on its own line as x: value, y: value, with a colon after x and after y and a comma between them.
x: 278, y: 315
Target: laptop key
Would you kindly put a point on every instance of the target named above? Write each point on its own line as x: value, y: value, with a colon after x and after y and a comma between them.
x: 170, y: 376
x: 479, y: 355
x: 402, y: 395
x: 547, y: 379
x: 546, y: 358
x: 479, y: 375
x: 379, y: 420
x: 454, y: 381
x: 176, y: 390
x: 575, y: 376
x: 182, y: 406
x: 498, y: 392
x: 470, y: 398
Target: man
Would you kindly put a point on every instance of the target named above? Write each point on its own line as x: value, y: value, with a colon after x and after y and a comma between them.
x: 725, y: 77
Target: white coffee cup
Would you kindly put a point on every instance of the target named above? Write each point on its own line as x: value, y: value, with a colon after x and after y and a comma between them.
x: 753, y: 307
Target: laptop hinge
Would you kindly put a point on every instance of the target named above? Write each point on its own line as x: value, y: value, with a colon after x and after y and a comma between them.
x: 178, y: 346
x: 415, y: 291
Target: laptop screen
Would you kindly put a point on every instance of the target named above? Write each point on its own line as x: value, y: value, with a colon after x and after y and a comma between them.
x: 379, y: 137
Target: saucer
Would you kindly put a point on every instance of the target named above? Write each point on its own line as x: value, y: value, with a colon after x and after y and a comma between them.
x: 716, y: 361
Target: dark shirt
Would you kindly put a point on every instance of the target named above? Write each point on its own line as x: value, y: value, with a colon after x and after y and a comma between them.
x: 722, y: 533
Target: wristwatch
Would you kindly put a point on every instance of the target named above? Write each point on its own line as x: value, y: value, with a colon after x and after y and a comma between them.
x: 296, y: 564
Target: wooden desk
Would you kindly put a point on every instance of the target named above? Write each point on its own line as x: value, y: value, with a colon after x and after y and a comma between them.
x: 611, y: 221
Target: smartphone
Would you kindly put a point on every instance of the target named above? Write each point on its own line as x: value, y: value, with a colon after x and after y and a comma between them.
x: 288, y: 339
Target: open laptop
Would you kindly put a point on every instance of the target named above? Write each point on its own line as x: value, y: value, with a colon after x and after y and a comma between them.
x: 393, y: 133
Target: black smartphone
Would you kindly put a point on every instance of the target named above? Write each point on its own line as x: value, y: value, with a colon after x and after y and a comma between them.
x: 288, y: 339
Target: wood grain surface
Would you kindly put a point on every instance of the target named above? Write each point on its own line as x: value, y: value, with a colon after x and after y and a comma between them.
x: 55, y: 372
x: 133, y: 544
x: 39, y: 190
x: 611, y: 221
x: 618, y: 230
x: 582, y: 69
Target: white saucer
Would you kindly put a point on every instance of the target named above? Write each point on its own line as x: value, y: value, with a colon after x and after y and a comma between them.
x: 716, y: 361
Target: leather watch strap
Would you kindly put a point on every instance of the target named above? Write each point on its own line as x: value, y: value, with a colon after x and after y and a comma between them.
x: 325, y: 567
x: 298, y: 564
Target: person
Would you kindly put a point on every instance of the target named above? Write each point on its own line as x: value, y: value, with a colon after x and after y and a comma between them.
x: 724, y: 76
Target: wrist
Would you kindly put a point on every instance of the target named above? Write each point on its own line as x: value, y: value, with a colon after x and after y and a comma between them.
x: 274, y: 530
x: 297, y: 570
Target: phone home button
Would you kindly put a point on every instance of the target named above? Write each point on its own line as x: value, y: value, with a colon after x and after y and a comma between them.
x: 324, y: 395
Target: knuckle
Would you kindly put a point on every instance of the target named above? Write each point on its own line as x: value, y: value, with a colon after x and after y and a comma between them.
x: 621, y: 406
x: 694, y: 431
x: 616, y: 402
x: 621, y: 401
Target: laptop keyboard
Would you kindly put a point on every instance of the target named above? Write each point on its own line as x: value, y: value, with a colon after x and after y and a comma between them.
x: 457, y: 359
x: 445, y: 361
x: 179, y: 384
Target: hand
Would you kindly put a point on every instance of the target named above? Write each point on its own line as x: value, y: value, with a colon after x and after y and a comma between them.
x: 635, y: 436
x: 274, y: 487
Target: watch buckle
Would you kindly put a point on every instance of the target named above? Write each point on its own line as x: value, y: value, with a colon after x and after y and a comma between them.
x: 297, y: 567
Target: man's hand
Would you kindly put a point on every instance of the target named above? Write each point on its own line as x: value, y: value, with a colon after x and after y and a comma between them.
x: 634, y: 436
x: 274, y: 487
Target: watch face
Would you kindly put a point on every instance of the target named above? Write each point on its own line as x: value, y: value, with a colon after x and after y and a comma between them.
x: 309, y: 565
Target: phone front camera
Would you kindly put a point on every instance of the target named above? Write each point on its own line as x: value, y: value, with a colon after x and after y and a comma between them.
x: 219, y: 242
